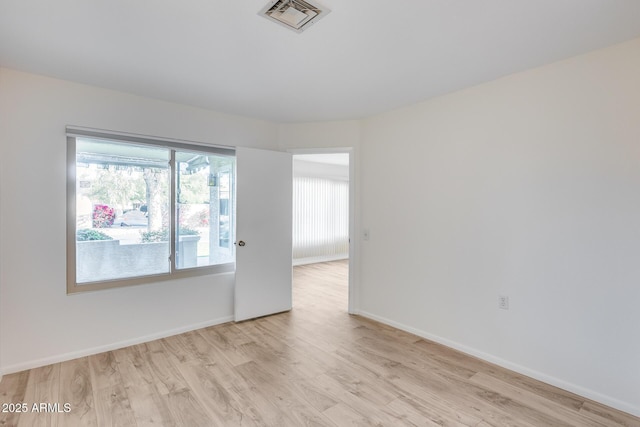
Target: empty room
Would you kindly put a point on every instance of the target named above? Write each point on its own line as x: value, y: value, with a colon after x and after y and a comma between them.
x: 160, y: 263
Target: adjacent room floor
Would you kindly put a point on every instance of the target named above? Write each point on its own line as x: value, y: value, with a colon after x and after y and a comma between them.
x: 315, y: 365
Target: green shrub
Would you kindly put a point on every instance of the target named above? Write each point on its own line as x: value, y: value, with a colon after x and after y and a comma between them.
x: 87, y: 234
x: 154, y: 236
x: 163, y: 235
x: 184, y: 231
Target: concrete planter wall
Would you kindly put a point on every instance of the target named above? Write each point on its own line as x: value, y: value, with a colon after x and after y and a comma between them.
x: 187, y: 251
x: 98, y: 260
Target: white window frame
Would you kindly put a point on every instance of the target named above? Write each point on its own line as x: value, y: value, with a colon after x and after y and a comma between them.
x: 174, y: 145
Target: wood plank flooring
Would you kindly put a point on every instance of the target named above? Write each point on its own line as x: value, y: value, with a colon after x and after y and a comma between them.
x: 314, y: 366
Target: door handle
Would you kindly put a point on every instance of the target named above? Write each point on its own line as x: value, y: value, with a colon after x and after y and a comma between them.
x: 241, y: 243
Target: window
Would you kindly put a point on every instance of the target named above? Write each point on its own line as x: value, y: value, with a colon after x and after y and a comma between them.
x: 143, y: 210
x: 320, y: 219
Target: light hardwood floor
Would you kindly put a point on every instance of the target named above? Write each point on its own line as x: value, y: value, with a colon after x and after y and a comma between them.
x: 313, y: 366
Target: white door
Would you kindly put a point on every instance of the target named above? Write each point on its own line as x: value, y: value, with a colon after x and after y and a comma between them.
x: 263, y: 233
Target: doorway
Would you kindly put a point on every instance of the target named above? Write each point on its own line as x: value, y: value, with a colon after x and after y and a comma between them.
x: 323, y: 212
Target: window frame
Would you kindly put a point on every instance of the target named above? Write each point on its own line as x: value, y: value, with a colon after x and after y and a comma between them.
x: 117, y: 137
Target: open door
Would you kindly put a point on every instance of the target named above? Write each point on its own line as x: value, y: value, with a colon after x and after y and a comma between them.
x: 263, y: 282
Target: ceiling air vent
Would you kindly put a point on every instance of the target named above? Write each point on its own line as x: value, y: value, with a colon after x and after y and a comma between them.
x: 297, y: 15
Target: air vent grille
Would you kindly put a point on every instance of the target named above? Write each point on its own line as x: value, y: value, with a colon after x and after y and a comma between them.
x: 297, y: 15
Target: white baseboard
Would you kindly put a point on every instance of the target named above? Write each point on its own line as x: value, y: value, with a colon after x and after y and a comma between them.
x: 573, y: 388
x: 109, y: 347
x: 317, y: 259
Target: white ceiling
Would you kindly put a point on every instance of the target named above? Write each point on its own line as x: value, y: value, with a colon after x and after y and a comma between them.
x: 339, y: 159
x: 365, y: 57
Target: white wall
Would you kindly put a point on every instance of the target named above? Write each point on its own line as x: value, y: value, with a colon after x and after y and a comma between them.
x: 300, y: 136
x: 39, y: 323
x: 304, y: 168
x: 528, y: 186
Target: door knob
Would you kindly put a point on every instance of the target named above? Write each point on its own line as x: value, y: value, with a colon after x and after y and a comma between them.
x: 241, y: 243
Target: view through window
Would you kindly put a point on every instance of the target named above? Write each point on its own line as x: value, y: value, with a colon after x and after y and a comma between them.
x: 137, y: 204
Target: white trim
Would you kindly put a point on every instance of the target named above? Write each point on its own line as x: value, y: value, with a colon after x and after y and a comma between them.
x: 353, y: 235
x: 570, y: 387
x: 180, y: 144
x: 113, y: 346
x: 317, y: 259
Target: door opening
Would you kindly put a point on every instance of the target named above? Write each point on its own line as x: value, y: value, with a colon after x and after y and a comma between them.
x: 323, y: 209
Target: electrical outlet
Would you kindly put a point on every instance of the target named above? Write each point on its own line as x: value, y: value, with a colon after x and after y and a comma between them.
x: 365, y: 234
x: 503, y: 302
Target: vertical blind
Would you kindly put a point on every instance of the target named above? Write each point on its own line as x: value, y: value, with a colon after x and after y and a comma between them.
x: 320, y: 219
